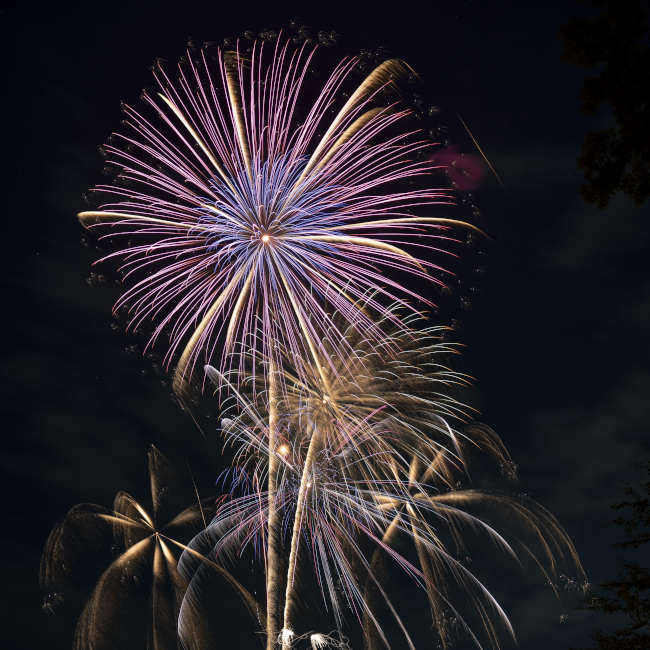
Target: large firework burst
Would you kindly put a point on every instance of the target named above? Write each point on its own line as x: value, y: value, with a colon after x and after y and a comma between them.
x: 258, y: 218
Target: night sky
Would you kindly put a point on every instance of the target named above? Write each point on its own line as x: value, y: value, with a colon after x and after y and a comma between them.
x: 557, y: 338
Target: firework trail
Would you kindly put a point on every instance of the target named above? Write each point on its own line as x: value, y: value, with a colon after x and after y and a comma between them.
x: 273, y: 522
x: 114, y: 612
x: 259, y: 214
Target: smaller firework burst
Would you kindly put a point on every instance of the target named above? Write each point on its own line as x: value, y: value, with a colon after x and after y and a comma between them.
x: 365, y: 457
x: 138, y: 597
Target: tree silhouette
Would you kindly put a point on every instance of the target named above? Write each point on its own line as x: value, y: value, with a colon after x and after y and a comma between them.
x: 629, y: 595
x: 614, y: 45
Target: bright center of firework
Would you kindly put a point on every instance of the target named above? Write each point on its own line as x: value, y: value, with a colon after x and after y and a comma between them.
x: 283, y: 449
x: 266, y: 238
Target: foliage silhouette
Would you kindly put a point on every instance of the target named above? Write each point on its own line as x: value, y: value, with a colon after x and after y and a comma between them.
x: 614, y: 46
x: 629, y: 595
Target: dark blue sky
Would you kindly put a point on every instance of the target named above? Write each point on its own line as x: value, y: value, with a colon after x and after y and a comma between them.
x: 557, y: 339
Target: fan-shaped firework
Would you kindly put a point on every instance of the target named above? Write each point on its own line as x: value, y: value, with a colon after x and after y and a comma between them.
x: 260, y: 212
x: 363, y: 456
x: 450, y: 514
x: 143, y: 576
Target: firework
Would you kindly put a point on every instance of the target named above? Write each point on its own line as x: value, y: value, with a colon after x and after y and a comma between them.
x: 259, y: 213
x: 269, y: 230
x: 354, y: 392
x: 455, y: 515
x: 362, y: 459
x: 144, y: 571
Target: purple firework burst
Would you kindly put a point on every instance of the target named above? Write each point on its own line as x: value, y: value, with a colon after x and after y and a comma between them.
x: 256, y: 223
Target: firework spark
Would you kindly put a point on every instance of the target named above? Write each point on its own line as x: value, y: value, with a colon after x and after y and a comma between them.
x: 259, y: 213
